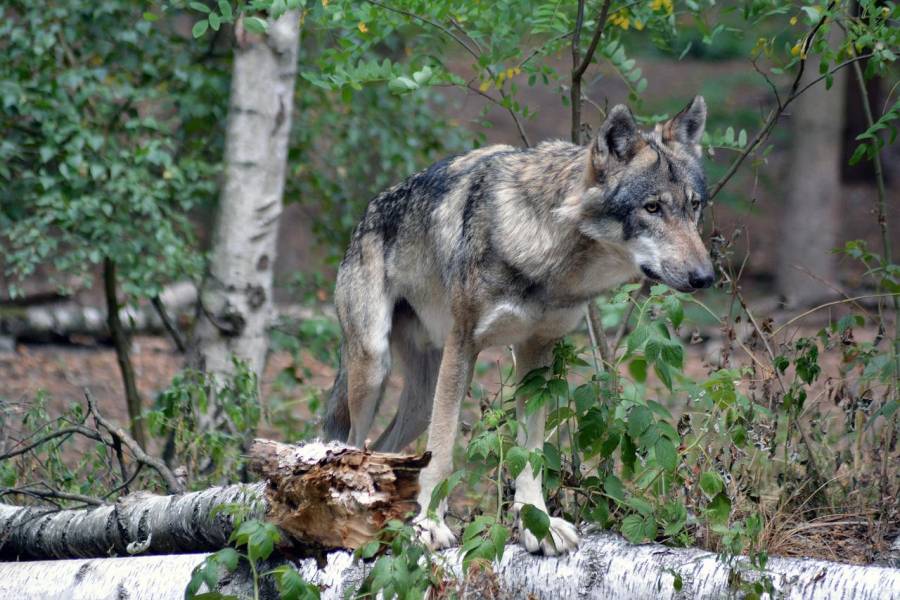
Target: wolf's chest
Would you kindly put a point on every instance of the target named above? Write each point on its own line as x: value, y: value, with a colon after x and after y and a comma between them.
x: 510, y: 322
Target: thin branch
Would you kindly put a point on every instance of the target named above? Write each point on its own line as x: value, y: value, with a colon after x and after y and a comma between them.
x: 51, y: 494
x: 826, y: 305
x: 172, y: 483
x: 90, y: 433
x: 169, y: 324
x: 467, y: 48
x: 776, y: 112
x: 598, y: 33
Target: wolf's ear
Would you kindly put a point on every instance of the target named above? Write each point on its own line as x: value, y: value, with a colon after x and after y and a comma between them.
x: 686, y: 127
x: 617, y: 141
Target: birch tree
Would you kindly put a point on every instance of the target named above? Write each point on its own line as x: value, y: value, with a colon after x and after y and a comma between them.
x: 236, y: 296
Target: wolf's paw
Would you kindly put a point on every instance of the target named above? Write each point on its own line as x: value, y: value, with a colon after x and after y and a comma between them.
x: 563, y: 537
x: 434, y: 533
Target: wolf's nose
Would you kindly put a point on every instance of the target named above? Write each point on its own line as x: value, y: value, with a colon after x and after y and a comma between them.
x: 701, y: 279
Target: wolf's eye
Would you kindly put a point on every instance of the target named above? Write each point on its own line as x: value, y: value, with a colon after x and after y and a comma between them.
x: 652, y: 207
x: 695, y: 204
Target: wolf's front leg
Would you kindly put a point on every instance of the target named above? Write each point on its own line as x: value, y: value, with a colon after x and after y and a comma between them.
x: 563, y: 536
x: 453, y: 381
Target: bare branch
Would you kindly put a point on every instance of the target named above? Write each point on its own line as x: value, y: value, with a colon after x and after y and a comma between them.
x: 172, y: 483
x: 90, y: 433
x: 169, y: 324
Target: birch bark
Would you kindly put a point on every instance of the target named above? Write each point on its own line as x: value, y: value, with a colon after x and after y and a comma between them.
x: 605, y: 566
x: 236, y: 297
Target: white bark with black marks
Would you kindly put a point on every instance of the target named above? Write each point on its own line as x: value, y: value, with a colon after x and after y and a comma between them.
x: 236, y: 297
x: 605, y: 566
x: 321, y: 496
x: 154, y: 524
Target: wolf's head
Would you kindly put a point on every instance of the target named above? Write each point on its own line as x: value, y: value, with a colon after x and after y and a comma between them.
x: 645, y: 191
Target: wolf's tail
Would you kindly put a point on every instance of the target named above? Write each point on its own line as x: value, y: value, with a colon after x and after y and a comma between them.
x: 337, y: 411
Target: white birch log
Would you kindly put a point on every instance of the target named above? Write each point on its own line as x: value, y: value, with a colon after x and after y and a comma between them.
x: 45, y: 322
x: 236, y: 296
x: 140, y: 522
x: 321, y: 496
x: 605, y: 566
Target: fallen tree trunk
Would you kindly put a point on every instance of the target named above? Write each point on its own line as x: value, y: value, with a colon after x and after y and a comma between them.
x: 323, y: 496
x: 60, y: 319
x: 604, y: 566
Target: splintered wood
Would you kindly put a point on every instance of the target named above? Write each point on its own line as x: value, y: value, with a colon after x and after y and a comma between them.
x: 333, y: 495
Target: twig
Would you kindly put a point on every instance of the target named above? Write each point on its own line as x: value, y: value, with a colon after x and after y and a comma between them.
x: 881, y: 207
x: 826, y: 305
x: 172, y: 483
x: 580, y: 64
x: 779, y: 109
x: 90, y: 433
x: 52, y: 495
x: 468, y: 49
x: 170, y: 326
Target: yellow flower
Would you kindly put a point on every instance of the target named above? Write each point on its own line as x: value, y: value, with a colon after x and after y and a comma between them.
x: 793, y: 20
x: 795, y: 51
x: 666, y: 5
x: 362, y: 27
x: 620, y: 20
x: 485, y: 85
x: 324, y: 3
x: 638, y: 24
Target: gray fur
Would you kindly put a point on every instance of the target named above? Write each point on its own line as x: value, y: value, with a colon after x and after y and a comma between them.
x: 502, y: 246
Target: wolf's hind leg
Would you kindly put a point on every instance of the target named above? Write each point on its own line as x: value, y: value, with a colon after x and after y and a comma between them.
x: 419, y: 363
x: 367, y: 329
x: 563, y: 536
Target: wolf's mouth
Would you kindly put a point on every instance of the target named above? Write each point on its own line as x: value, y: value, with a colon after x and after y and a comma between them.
x: 650, y: 273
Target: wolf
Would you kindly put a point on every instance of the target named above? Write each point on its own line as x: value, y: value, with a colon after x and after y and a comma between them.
x: 504, y: 246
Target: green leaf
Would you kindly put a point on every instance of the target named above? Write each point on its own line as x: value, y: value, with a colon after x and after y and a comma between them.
x: 673, y: 355
x: 637, y: 528
x: 675, y: 310
x: 402, y: 85
x: 614, y: 488
x: 225, y: 9
x: 638, y: 369
x: 535, y: 520
x: 516, y: 459
x: 200, y: 28
x: 666, y: 454
x: 255, y: 25
x: 711, y: 483
x: 200, y: 7
x: 719, y: 509
x: 638, y: 421
x: 151, y: 17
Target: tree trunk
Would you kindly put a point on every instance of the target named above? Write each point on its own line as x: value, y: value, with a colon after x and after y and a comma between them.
x: 236, y: 298
x: 805, y: 266
x: 122, y: 344
x: 322, y: 496
x: 605, y: 566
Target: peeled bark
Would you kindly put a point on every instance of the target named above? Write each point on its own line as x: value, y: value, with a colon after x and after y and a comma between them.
x: 236, y: 297
x: 322, y: 496
x: 605, y: 566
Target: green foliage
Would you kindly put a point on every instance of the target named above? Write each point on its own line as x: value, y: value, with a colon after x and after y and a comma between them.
x: 407, y: 573
x: 211, y: 455
x: 99, y: 148
x: 258, y: 539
